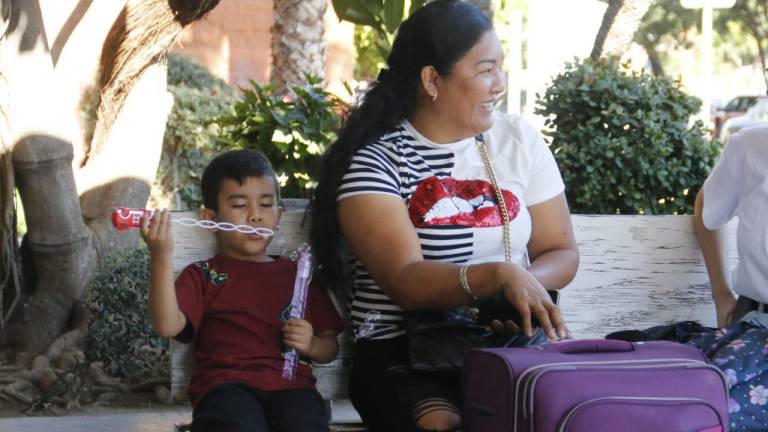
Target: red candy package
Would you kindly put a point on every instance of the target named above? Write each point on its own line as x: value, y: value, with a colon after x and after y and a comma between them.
x: 124, y: 218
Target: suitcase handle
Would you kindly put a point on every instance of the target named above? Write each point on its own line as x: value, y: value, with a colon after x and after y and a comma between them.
x: 585, y: 346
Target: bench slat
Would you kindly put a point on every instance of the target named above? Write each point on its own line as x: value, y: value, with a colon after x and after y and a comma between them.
x: 637, y: 272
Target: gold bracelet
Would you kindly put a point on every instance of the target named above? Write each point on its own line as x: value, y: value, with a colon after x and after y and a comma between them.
x: 464, y: 282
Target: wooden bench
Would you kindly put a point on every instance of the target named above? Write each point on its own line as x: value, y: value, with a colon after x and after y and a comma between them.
x: 635, y: 272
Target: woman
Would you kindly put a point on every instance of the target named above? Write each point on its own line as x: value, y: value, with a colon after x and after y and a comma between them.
x: 737, y: 187
x: 408, y: 188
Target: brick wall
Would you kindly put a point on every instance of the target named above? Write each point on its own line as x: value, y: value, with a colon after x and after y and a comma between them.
x: 234, y: 42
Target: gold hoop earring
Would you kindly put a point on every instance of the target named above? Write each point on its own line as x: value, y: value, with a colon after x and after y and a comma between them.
x: 434, y: 96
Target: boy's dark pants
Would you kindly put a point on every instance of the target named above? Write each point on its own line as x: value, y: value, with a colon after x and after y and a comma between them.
x: 238, y: 407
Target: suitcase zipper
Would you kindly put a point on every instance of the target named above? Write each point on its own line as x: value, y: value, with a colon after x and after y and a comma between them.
x: 538, y: 369
x: 573, y: 411
x: 533, y: 379
x: 531, y: 387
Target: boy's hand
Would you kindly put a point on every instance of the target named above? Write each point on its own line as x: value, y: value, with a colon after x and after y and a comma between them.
x: 156, y: 232
x: 299, y: 334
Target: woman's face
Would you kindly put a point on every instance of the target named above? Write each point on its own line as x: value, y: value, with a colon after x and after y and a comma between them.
x: 466, y: 97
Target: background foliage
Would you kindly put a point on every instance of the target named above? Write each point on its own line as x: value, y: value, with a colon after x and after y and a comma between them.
x: 382, y: 16
x: 624, y: 141
x: 376, y: 23
x: 192, y: 135
x: 292, y: 131
x: 120, y: 334
x: 186, y: 71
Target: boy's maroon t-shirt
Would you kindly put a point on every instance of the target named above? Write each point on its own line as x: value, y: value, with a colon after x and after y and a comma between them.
x: 235, y: 311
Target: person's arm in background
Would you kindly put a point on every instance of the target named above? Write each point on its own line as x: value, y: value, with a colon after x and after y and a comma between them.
x: 714, y: 247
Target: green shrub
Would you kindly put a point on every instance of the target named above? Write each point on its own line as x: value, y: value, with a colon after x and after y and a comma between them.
x: 186, y: 71
x: 291, y: 131
x: 192, y: 138
x: 120, y: 333
x: 623, y: 140
x: 191, y: 135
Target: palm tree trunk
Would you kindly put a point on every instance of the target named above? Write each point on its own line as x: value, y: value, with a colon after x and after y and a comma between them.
x: 298, y: 46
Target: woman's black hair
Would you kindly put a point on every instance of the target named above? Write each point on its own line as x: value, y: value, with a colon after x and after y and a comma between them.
x: 438, y: 35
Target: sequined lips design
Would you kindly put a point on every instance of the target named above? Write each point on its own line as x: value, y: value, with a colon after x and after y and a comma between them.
x: 458, y: 202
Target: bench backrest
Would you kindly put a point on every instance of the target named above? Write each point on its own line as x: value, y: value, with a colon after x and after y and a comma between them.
x: 635, y: 272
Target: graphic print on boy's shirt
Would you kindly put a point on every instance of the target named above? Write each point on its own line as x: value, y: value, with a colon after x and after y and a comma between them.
x: 448, y: 201
x: 213, y: 276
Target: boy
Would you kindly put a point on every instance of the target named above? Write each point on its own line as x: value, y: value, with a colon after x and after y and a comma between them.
x: 233, y: 306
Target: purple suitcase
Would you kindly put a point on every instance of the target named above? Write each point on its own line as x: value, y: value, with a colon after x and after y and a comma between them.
x: 594, y: 385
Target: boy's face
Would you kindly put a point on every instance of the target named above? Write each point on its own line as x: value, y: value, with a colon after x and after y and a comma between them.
x: 253, y: 203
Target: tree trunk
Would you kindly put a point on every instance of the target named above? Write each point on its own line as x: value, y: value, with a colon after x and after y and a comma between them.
x: 620, y: 22
x: 653, y: 57
x: 10, y: 277
x: 755, y: 17
x: 298, y: 46
x: 63, y: 250
x: 67, y: 200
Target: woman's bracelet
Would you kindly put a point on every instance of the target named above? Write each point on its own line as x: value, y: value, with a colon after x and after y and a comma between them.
x: 464, y: 282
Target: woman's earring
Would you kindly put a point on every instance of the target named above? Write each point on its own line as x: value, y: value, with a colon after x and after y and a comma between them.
x: 434, y: 96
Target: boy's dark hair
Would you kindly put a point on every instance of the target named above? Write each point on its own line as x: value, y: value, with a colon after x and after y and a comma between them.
x: 237, y: 165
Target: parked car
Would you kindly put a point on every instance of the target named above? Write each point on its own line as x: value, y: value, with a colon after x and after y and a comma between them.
x: 756, y: 115
x: 735, y: 107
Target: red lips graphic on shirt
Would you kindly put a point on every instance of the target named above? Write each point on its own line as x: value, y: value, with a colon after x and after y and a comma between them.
x: 458, y: 202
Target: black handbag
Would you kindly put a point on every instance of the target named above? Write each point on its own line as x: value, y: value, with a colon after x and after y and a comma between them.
x: 440, y: 340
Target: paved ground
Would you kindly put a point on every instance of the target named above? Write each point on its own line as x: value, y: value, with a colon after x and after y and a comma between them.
x: 138, y: 420
x: 160, y: 420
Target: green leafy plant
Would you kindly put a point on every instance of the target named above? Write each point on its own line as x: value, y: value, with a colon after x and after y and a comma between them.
x: 120, y: 334
x: 192, y: 138
x: 192, y: 134
x: 292, y: 131
x: 376, y: 23
x: 369, y: 58
x: 624, y: 141
x: 383, y: 16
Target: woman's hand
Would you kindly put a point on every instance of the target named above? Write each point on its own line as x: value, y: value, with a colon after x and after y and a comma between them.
x: 532, y: 301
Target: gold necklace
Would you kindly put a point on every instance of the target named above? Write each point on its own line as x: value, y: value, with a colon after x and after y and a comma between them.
x: 499, y: 197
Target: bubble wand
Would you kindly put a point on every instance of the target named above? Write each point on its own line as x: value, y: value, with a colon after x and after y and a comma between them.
x: 298, y: 305
x: 124, y: 218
